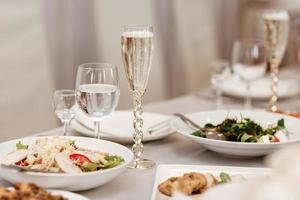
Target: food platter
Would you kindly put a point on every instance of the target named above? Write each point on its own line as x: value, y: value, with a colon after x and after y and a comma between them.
x: 166, y: 171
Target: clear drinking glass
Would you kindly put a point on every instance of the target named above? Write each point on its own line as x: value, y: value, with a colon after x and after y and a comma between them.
x: 63, y: 101
x: 137, y: 52
x: 220, y: 71
x: 249, y: 63
x: 276, y: 32
x: 97, y: 91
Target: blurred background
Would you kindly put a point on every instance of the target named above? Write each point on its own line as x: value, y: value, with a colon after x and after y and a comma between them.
x: 43, y: 41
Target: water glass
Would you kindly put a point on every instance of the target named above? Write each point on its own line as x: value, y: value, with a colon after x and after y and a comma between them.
x: 249, y: 63
x: 63, y: 101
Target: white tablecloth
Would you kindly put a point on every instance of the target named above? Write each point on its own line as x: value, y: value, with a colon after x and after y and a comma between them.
x: 137, y: 185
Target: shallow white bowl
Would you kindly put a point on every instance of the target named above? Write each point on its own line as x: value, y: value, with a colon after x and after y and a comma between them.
x: 240, y: 149
x: 74, y: 181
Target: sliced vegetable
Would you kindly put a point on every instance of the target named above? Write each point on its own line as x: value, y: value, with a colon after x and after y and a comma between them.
x: 112, y: 161
x: 89, y: 167
x: 22, y: 163
x: 80, y: 158
x: 19, y: 145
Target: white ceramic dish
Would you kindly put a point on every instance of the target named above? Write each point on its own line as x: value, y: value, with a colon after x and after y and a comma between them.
x: 118, y: 126
x: 74, y: 181
x: 68, y: 195
x: 164, y: 172
x: 260, y: 89
x: 238, y: 148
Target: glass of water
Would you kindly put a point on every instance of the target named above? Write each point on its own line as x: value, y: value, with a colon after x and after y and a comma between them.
x: 97, y: 91
x: 220, y: 71
x: 63, y: 101
x: 249, y: 63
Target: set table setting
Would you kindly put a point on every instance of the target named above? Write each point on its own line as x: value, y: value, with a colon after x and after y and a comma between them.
x: 213, y: 144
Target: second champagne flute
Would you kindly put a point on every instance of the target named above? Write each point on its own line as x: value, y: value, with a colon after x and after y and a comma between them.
x: 97, y: 91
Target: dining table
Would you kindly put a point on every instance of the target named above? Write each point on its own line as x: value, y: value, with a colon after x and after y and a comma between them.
x: 175, y: 149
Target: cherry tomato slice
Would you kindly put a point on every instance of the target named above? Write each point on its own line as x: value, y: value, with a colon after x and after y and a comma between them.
x: 22, y: 163
x: 80, y: 158
x: 276, y: 139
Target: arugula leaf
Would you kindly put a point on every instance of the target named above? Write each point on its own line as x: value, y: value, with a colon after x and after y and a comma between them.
x: 280, y: 124
x: 199, y: 133
x: 19, y: 146
x: 225, y: 178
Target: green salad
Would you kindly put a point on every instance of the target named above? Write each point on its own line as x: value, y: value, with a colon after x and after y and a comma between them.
x: 244, y: 130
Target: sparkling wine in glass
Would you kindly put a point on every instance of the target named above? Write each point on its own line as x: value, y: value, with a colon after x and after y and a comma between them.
x: 249, y: 63
x: 97, y: 91
x: 137, y: 52
x: 276, y: 31
x: 63, y: 101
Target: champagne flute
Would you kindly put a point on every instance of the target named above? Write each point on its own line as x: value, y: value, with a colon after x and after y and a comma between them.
x: 137, y: 50
x: 63, y: 101
x: 276, y: 30
x: 97, y: 91
x: 249, y: 63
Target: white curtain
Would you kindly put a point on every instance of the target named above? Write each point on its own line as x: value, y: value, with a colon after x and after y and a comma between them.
x: 26, y: 81
x: 193, y: 34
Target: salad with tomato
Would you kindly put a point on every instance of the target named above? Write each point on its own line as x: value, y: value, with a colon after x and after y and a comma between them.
x: 58, y: 154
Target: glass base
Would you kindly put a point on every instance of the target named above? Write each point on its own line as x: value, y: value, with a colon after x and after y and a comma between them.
x: 143, y: 164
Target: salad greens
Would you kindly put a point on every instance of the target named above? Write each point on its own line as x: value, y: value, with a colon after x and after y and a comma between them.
x: 225, y: 178
x: 243, y: 130
x: 112, y: 161
x: 19, y: 146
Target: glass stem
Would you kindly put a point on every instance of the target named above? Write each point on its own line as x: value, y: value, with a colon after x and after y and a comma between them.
x: 248, y: 103
x: 219, y: 102
x: 137, y: 147
x: 66, y: 127
x: 97, y: 129
x: 274, y: 86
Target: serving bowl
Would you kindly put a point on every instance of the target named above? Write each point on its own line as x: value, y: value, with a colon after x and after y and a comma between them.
x: 238, y: 149
x: 68, y: 181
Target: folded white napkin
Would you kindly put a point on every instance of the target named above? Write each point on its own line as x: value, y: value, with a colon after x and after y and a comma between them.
x: 120, y: 123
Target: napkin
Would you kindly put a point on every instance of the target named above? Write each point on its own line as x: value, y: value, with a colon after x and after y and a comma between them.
x: 120, y: 123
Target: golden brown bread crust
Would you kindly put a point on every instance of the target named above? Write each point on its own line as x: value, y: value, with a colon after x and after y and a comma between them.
x: 27, y: 191
x: 188, y: 184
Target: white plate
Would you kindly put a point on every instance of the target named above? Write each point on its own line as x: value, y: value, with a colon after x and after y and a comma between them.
x: 68, y: 195
x: 118, y: 126
x: 74, y: 181
x: 164, y: 172
x: 231, y: 191
x: 260, y: 89
x: 238, y: 148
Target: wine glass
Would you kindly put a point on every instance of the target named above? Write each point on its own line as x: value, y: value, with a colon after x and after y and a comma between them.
x: 249, y: 63
x: 220, y: 71
x: 137, y: 51
x: 276, y: 31
x: 63, y: 101
x: 97, y: 91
